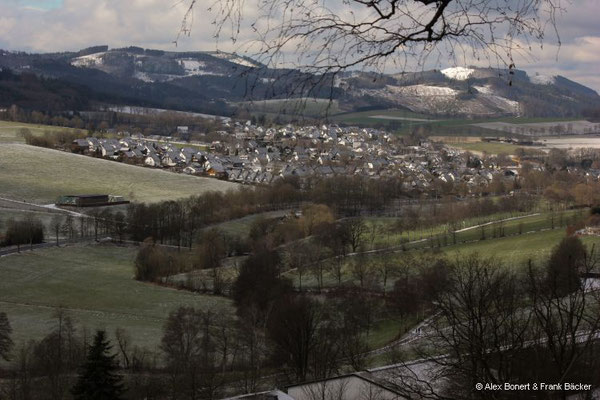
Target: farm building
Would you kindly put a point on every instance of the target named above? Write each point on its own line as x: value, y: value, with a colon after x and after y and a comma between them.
x: 90, y: 200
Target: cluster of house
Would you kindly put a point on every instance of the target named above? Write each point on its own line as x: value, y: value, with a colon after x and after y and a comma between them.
x: 256, y: 155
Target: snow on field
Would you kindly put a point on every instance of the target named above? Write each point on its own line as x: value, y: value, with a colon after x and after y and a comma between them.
x: 88, y: 61
x: 487, y: 89
x: 422, y: 90
x: 550, y: 129
x: 142, y: 76
x: 234, y: 59
x: 498, y: 101
x: 542, y: 79
x: 418, y: 98
x: 445, y: 100
x: 192, y: 67
x: 505, y: 104
x: 458, y: 73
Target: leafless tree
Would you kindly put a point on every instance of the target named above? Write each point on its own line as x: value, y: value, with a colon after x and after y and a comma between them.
x: 334, y: 35
x: 297, y: 257
x: 123, y: 341
x: 253, y: 349
x: 355, y: 229
x: 190, y: 352
x: 567, y: 324
x: 385, y: 267
x: 56, y: 224
x: 479, y: 334
x: 363, y: 270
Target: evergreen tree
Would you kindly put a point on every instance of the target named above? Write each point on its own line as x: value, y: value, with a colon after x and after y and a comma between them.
x: 98, y: 379
x: 6, y: 342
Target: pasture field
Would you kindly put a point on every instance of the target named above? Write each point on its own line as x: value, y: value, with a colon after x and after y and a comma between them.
x: 536, y: 241
x: 543, y: 127
x: 241, y: 226
x: 514, y: 251
x: 40, y: 175
x: 94, y: 284
x: 387, y: 235
x: 9, y: 131
x: 397, y: 120
x: 571, y: 142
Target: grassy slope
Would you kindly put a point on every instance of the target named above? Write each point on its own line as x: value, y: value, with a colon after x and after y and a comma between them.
x: 95, y: 285
x: 515, y: 250
x: 368, y: 116
x: 40, y: 175
x: 388, y: 237
x: 241, y: 226
x: 9, y: 131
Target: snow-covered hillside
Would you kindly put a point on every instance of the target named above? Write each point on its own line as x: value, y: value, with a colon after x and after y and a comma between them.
x: 195, y: 68
x: 423, y: 90
x: 458, y: 73
x: 429, y: 99
x: 539, y: 79
x: 456, y: 91
x: 234, y: 58
x: 89, y: 61
x: 487, y: 89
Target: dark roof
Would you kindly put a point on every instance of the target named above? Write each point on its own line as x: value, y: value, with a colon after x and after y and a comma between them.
x: 86, y: 196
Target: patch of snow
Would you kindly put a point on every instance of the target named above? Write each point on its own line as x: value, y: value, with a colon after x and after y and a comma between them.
x: 506, y: 104
x: 235, y: 59
x: 142, y: 76
x: 90, y: 60
x: 501, y: 102
x: 487, y: 89
x: 458, y: 73
x: 423, y: 90
x: 539, y: 79
x: 194, y: 68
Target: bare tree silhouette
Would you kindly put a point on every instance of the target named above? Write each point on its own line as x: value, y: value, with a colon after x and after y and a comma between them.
x: 329, y: 36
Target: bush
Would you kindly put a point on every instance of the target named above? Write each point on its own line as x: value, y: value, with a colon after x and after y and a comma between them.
x: 51, y: 139
x: 151, y: 262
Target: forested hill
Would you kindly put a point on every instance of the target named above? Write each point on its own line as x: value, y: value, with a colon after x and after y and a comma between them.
x: 216, y: 82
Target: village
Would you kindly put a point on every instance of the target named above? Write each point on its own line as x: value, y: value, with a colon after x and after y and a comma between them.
x: 256, y: 155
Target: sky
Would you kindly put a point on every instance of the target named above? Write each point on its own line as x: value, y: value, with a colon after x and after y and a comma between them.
x: 71, y: 25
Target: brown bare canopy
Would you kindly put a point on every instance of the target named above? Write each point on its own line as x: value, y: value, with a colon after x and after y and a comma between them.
x: 328, y: 36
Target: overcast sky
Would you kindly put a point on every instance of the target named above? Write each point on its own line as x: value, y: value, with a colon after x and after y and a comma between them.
x: 63, y: 25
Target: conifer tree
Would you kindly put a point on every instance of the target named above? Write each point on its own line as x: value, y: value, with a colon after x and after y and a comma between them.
x: 6, y: 342
x: 98, y: 378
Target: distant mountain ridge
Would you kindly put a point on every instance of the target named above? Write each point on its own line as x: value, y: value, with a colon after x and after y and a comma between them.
x: 475, y: 92
x: 214, y: 82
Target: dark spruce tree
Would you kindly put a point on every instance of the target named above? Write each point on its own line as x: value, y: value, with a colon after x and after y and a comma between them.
x: 98, y: 378
x: 6, y: 342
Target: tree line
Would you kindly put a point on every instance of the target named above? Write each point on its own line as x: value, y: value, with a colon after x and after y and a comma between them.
x: 490, y: 324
